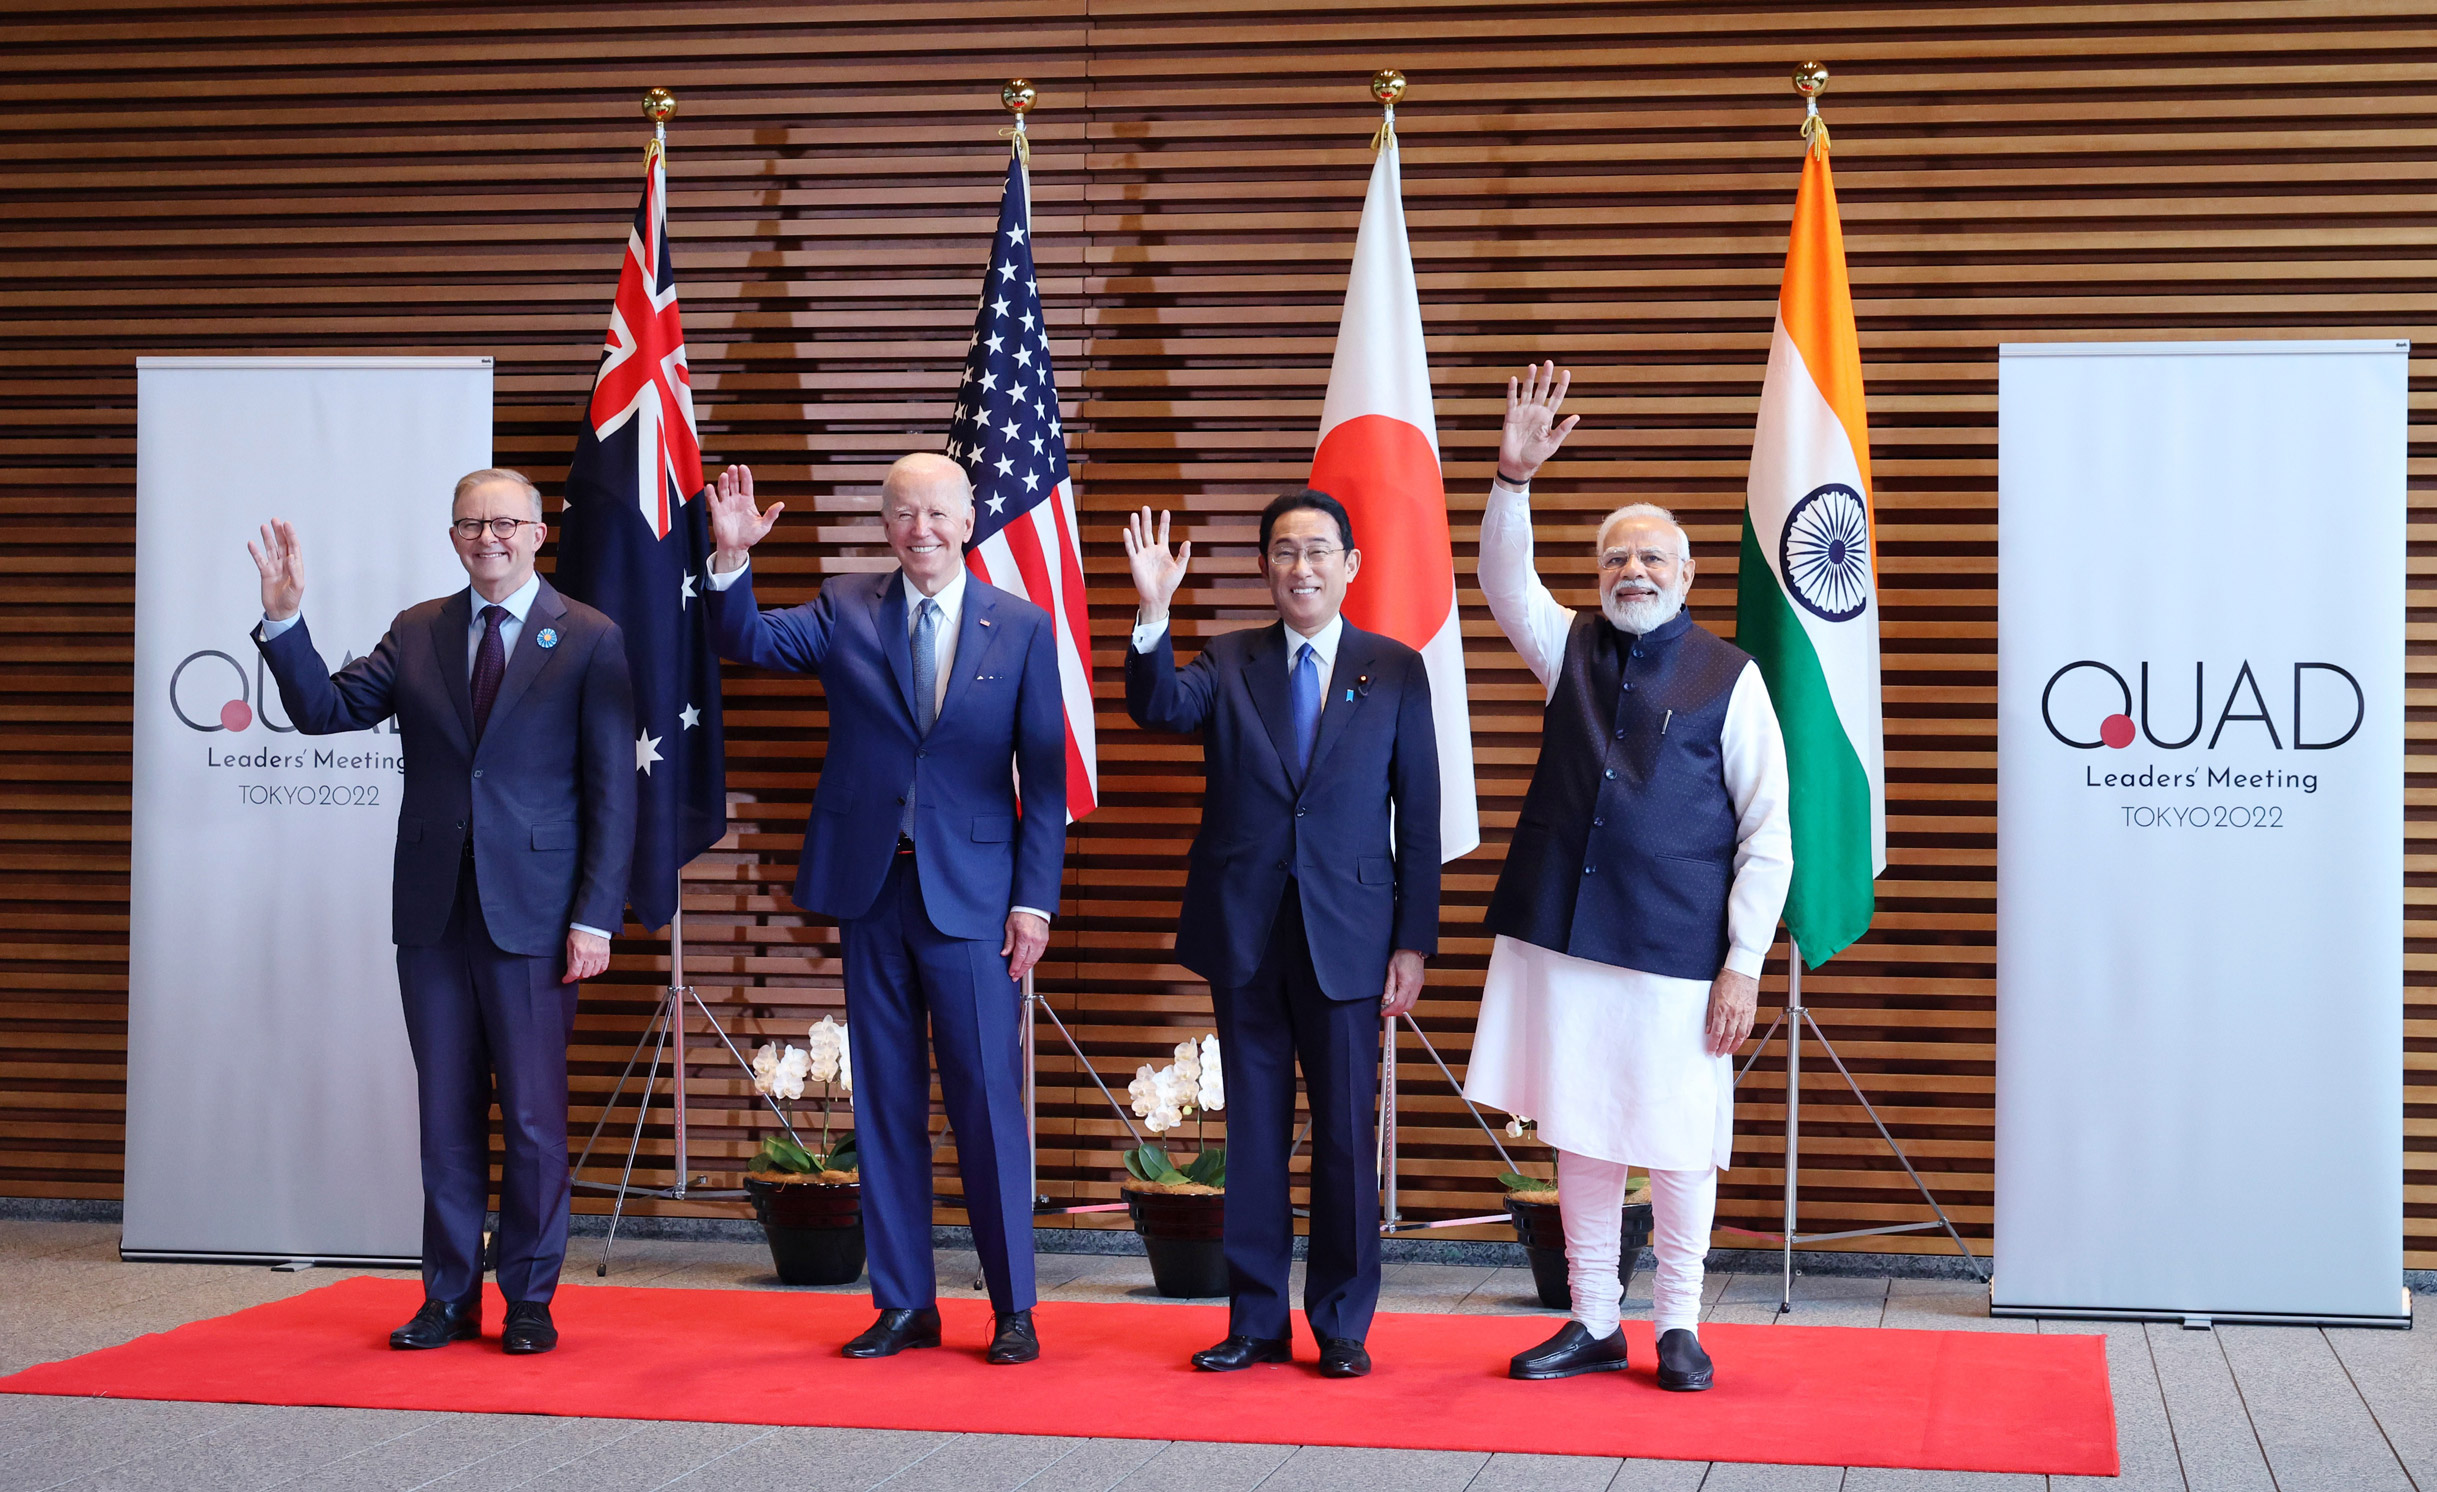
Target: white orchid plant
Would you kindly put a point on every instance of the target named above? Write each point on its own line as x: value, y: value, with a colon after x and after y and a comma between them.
x: 1190, y: 1087
x: 1637, y: 1187
x: 782, y: 1075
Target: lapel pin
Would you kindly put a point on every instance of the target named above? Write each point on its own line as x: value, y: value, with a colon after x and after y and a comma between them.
x: 547, y: 637
x: 1362, y: 686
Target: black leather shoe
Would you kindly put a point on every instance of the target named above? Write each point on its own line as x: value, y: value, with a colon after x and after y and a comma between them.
x: 895, y: 1331
x: 528, y: 1329
x: 1683, y: 1366
x: 1570, y: 1353
x: 439, y: 1323
x: 1243, y: 1352
x: 1343, y: 1357
x: 1013, y: 1341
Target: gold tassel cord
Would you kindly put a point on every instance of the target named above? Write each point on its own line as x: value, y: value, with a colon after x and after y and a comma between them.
x: 1385, y: 135
x: 1815, y: 130
x: 1020, y: 141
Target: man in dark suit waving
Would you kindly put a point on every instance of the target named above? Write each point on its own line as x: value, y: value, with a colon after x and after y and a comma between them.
x: 1311, y: 899
x: 941, y: 690
x: 518, y: 726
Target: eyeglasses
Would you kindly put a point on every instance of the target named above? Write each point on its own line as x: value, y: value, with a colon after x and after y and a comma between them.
x: 1285, y: 555
x: 1651, y: 559
x: 501, y: 528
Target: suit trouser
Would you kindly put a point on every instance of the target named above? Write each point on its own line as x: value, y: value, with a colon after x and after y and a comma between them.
x: 1267, y: 1026
x: 482, y: 1019
x: 903, y: 973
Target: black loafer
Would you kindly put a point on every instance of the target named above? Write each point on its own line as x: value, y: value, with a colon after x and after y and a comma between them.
x: 1243, y: 1352
x: 439, y: 1323
x: 1683, y: 1366
x: 895, y: 1331
x: 528, y: 1329
x: 1343, y: 1357
x: 1013, y: 1341
x: 1571, y: 1353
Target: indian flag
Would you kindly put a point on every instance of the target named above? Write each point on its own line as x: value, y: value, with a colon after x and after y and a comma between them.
x: 1806, y: 604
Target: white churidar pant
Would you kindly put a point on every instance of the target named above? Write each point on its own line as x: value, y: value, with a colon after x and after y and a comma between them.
x: 1683, y: 1204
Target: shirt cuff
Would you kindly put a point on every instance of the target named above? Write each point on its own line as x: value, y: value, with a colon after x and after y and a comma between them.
x: 271, y: 629
x: 720, y: 582
x: 580, y: 927
x: 1147, y: 633
x: 1747, y: 961
x: 1035, y: 911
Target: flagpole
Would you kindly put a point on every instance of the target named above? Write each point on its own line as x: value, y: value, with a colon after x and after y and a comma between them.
x: 1387, y: 85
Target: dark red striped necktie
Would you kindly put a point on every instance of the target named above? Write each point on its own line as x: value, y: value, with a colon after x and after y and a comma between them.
x: 490, y: 663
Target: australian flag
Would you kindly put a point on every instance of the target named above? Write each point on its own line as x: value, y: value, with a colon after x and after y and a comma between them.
x: 635, y: 542
x: 1007, y: 435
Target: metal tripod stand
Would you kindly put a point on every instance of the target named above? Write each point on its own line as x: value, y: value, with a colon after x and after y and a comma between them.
x: 665, y: 1035
x: 1792, y: 1020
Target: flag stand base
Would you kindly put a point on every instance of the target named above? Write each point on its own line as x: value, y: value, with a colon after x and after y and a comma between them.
x: 1795, y: 1016
x: 667, y: 1030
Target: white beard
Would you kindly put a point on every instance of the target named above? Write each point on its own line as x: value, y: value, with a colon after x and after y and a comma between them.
x: 1638, y: 612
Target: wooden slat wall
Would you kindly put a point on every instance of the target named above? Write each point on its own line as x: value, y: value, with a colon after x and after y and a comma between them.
x: 1605, y: 184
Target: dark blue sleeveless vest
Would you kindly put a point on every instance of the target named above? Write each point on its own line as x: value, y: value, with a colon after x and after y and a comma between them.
x: 1625, y: 850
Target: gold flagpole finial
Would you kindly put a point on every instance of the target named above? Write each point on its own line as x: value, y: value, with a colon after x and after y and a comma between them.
x: 659, y: 106
x: 1017, y: 99
x: 1387, y: 85
x: 1811, y: 80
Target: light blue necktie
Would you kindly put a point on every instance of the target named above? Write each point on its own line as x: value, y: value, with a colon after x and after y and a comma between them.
x: 926, y: 687
x: 1307, y: 707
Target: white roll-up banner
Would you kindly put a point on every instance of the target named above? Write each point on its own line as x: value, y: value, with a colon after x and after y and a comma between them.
x: 2200, y: 830
x: 270, y: 1093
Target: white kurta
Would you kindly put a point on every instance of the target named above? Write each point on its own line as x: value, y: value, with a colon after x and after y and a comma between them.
x: 1611, y: 1061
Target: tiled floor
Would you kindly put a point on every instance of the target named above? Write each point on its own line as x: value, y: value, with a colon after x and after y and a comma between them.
x: 2282, y: 1409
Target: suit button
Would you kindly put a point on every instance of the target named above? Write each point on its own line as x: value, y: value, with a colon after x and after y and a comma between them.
x: 1589, y: 870
x: 1637, y: 652
x: 478, y: 771
x: 901, y: 800
x: 1620, y: 735
x: 1599, y: 823
x: 461, y: 828
x: 1300, y: 812
x: 1628, y: 686
x: 1281, y: 865
x: 920, y: 755
x: 1610, y: 773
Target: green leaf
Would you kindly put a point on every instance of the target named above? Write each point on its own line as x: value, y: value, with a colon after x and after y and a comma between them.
x: 1147, y: 1162
x: 782, y: 1154
x: 1208, y: 1167
x: 1515, y: 1181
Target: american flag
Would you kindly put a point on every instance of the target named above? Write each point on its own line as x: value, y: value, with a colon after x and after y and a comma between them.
x: 1007, y: 436
x: 634, y: 542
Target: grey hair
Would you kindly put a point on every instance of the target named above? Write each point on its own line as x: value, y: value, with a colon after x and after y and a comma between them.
x: 1683, y: 541
x: 917, y: 463
x: 488, y: 474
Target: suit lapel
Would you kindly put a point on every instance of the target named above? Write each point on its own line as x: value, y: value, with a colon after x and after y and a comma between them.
x: 1356, y: 658
x: 1265, y: 681
x: 454, y: 649
x: 976, y: 631
x: 888, y: 615
x: 527, y: 658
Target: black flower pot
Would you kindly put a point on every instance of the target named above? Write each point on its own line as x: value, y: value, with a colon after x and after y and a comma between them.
x: 1542, y: 1232
x: 1184, y: 1233
x: 815, y: 1229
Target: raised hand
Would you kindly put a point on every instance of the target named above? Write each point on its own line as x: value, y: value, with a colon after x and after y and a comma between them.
x: 281, y: 560
x: 736, y: 524
x: 1157, y: 573
x: 1533, y: 432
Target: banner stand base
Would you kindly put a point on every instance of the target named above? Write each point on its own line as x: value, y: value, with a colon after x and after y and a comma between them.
x: 2199, y: 1320
x: 271, y: 1260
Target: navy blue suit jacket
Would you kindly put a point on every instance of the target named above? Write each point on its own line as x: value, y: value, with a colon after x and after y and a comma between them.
x: 1365, y: 892
x: 1003, y: 713
x: 549, y: 793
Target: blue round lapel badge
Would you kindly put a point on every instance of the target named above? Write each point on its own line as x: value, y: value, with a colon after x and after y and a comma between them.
x: 547, y: 637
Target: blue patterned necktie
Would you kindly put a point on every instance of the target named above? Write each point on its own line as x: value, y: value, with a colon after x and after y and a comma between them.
x: 926, y: 687
x: 1307, y: 707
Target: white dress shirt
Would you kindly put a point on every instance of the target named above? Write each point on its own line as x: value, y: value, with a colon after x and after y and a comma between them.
x: 518, y: 603
x: 1323, y: 644
x: 951, y: 604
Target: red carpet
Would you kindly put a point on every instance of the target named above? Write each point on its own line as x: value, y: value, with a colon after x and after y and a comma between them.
x: 1828, y: 1396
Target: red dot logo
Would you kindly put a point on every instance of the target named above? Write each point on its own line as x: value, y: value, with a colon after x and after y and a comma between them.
x: 234, y: 716
x: 2116, y: 731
